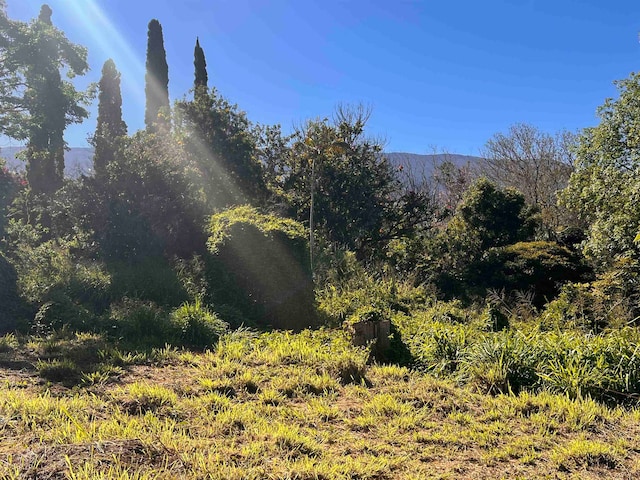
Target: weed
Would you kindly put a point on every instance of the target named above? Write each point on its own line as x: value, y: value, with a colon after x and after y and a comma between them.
x: 139, y: 398
x: 8, y: 342
x: 58, y: 370
x: 586, y: 453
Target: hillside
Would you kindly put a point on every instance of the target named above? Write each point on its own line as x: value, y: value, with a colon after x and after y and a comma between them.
x: 423, y: 165
x: 78, y: 160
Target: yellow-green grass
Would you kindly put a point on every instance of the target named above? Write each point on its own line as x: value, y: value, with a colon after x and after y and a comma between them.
x: 292, y: 406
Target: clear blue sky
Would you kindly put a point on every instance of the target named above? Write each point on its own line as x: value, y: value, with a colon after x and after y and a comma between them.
x: 438, y: 74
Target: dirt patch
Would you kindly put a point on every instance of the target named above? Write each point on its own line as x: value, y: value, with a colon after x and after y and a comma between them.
x: 53, y: 462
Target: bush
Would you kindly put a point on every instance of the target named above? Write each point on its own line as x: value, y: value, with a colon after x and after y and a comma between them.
x: 61, y: 288
x: 60, y: 311
x: 152, y: 279
x: 11, y: 305
x: 259, y: 265
x: 140, y: 323
x: 502, y: 363
x: 537, y: 266
x: 487, y: 218
x: 196, y: 326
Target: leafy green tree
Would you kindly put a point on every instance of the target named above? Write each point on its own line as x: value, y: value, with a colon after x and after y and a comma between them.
x: 156, y: 79
x: 110, y: 126
x: 604, y: 189
x: 487, y: 218
x: 200, y: 65
x: 220, y: 140
x: 337, y: 180
x: 11, y: 82
x: 38, y: 102
x: 153, y: 205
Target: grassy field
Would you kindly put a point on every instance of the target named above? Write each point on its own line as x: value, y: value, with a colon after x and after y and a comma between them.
x: 278, y: 405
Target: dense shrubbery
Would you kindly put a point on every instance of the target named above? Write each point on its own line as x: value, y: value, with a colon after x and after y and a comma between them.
x: 482, y: 295
x: 9, y: 298
x: 259, y: 265
x: 541, y: 267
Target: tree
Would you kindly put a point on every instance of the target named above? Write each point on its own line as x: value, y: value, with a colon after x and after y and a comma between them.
x: 200, y: 65
x: 604, y: 189
x: 486, y: 219
x: 156, y: 79
x: 219, y: 139
x: 39, y: 103
x: 11, y: 82
x: 339, y: 182
x: 534, y: 163
x: 110, y: 126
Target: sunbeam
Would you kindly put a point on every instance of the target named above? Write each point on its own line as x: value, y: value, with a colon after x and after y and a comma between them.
x: 94, y: 23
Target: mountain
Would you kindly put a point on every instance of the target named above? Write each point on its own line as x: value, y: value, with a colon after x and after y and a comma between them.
x: 423, y: 166
x: 77, y: 160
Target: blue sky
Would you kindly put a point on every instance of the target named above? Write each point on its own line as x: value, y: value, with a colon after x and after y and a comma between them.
x: 438, y: 75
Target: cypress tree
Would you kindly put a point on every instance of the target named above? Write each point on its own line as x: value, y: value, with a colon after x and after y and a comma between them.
x: 200, y: 64
x: 156, y: 79
x: 110, y: 125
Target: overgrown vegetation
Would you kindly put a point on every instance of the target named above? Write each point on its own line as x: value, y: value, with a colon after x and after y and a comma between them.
x: 150, y: 309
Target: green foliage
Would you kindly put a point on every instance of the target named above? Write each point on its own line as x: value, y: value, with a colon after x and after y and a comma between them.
x: 540, y: 267
x: 440, y: 348
x: 61, y: 287
x: 260, y: 266
x: 222, y: 224
x: 579, y: 363
x: 219, y: 141
x: 38, y: 102
x: 502, y: 363
x: 156, y: 87
x: 197, y: 326
x: 358, y: 202
x: 490, y: 217
x: 9, y: 298
x: 10, y: 185
x: 153, y: 203
x: 604, y: 191
x: 494, y: 319
x: 58, y: 370
x: 604, y: 188
x: 152, y: 278
x: 487, y: 217
x: 110, y: 127
x: 140, y: 323
x: 59, y: 312
x: 200, y: 65
x: 349, y: 287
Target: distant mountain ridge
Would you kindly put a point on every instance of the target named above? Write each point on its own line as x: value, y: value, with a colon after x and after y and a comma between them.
x: 79, y: 160
x: 419, y: 163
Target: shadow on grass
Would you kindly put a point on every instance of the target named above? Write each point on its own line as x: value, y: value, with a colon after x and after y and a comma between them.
x: 397, y: 352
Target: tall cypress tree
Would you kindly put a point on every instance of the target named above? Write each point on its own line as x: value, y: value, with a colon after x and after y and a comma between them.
x: 200, y: 64
x: 110, y: 125
x: 156, y: 79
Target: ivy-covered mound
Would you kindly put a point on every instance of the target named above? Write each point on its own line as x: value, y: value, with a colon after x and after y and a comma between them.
x: 260, y: 266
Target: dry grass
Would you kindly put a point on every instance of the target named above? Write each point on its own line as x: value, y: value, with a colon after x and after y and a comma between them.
x: 278, y: 405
